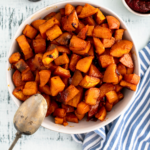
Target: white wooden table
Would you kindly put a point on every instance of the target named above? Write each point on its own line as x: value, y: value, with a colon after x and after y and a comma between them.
x: 12, y: 13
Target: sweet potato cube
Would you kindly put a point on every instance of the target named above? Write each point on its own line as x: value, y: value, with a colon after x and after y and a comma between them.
x: 108, y: 106
x: 27, y: 76
x: 80, y: 117
x: 59, y: 120
x: 87, y: 11
x: 106, y: 60
x: 91, y: 96
x: 132, y: 78
x: 127, y: 60
x: 67, y: 108
x: 17, y: 79
x: 37, y: 23
x: 68, y: 9
x: 59, y: 112
x: 39, y: 45
x: 51, y: 109
x: 128, y: 85
x: 62, y: 72
x: 119, y: 34
x: 77, y: 77
x: 108, y: 43
x: 45, y: 89
x: 113, y: 22
x: 102, y: 32
x: 30, y: 32
x: 83, y: 32
x: 30, y: 88
x: 101, y: 115
x: 98, y: 46
x: 120, y: 48
x: 89, y: 21
x: 80, y: 26
x: 53, y: 32
x: 99, y: 17
x: 93, y: 110
x: 56, y: 85
x: 121, y: 69
x: 44, y: 76
x: 49, y: 16
x: 69, y: 93
x: 31, y: 64
x: 110, y: 75
x: 79, y: 9
x: 49, y: 56
x: 84, y: 64
x: 17, y: 92
x: 111, y: 96
x: 82, y: 108
x: 90, y: 31
x: 130, y: 70
x: 61, y: 60
x: 118, y: 88
x: 25, y: 47
x: 94, y: 72
x: 38, y: 61
x: 15, y: 57
x: 89, y: 82
x: 71, y: 117
x: 120, y: 95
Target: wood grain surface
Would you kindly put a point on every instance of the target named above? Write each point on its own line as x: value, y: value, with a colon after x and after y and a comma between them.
x: 12, y: 14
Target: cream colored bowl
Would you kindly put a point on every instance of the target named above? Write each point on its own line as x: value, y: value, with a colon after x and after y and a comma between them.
x: 83, y: 126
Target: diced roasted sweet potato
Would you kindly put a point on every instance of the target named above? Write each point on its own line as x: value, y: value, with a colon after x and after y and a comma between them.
x: 108, y: 106
x: 59, y: 112
x: 119, y: 34
x: 79, y: 9
x: 82, y: 108
x: 30, y: 32
x: 108, y: 43
x: 93, y: 110
x: 45, y: 89
x: 30, y: 88
x: 132, y: 78
x: 99, y: 17
x: 71, y: 117
x: 17, y: 80
x: 118, y: 88
x: 38, y: 61
x: 101, y: 115
x: 58, y: 16
x: 89, y: 82
x: 106, y: 60
x: 25, y: 47
x: 90, y: 31
x: 67, y: 108
x: 31, y: 64
x: 91, y: 96
x: 128, y: 85
x: 90, y: 21
x: 68, y: 9
x: 44, y: 76
x: 53, y: 32
x: 17, y: 92
x: 120, y: 48
x: 130, y: 70
x: 113, y: 22
x: 27, y: 76
x: 77, y: 77
x: 98, y: 46
x: 84, y: 64
x: 15, y: 57
x: 111, y: 96
x: 39, y: 45
x: 83, y: 32
x: 80, y: 26
x: 91, y: 51
x: 50, y: 15
x: 80, y: 117
x: 59, y: 120
x: 87, y: 11
x: 56, y: 85
x: 51, y: 109
x: 61, y: 60
x: 62, y: 72
x: 94, y: 72
x: 120, y: 95
x: 121, y: 69
x: 37, y: 23
x: 126, y: 60
x: 102, y: 32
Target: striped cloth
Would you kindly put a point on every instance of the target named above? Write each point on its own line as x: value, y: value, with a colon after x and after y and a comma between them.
x: 130, y: 131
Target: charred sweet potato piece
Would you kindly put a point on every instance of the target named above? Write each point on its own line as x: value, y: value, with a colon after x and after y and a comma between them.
x: 50, y: 15
x: 37, y: 77
x: 30, y: 32
x: 90, y: 31
x: 37, y: 23
x: 90, y: 21
x: 94, y: 72
x: 130, y: 70
x: 118, y: 88
x: 56, y: 85
x: 111, y: 96
x: 17, y: 79
x: 59, y: 112
x: 113, y: 22
x: 98, y: 46
x: 71, y: 117
x: 17, y: 92
x: 121, y: 69
x: 108, y: 106
x: 101, y: 115
x: 80, y: 26
x: 89, y: 82
x: 128, y: 85
x: 84, y: 64
x: 38, y: 61
x: 87, y: 11
x: 91, y: 96
x: 45, y: 89
x: 30, y: 88
x: 132, y: 78
x: 93, y: 110
x: 62, y: 72
x: 68, y: 9
x: 67, y: 108
x: 79, y: 9
x: 44, y: 76
x: 27, y: 76
x: 106, y: 60
x: 102, y: 32
x: 61, y: 60
x: 51, y: 109
x: 80, y: 117
x: 83, y: 32
x: 77, y: 77
x: 108, y: 43
x: 99, y: 17
x: 39, y: 45
x: 25, y: 47
x: 59, y: 120
x: 120, y: 48
x: 119, y: 34
x: 82, y: 108
x: 126, y: 60
x: 15, y: 57
x: 110, y: 75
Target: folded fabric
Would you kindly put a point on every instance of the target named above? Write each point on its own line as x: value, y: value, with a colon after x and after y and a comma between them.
x: 130, y: 131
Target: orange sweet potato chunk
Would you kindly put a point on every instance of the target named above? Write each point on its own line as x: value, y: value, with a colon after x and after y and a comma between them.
x: 101, y: 115
x: 112, y: 96
x: 38, y: 61
x: 80, y: 26
x: 51, y: 109
x: 84, y: 64
x: 132, y: 78
x: 62, y: 72
x: 90, y: 31
x: 93, y: 110
x: 49, y: 16
x: 17, y: 79
x: 120, y: 95
x: 71, y: 117
x: 15, y: 57
x: 77, y: 77
x: 80, y: 117
x: 99, y: 17
x: 44, y: 76
x: 27, y: 76
x: 128, y: 85
x: 61, y: 60
x: 37, y: 23
x: 130, y: 70
x: 108, y: 43
x: 68, y: 9
x: 108, y: 106
x: 45, y: 89
x: 91, y: 51
x: 121, y: 69
x: 67, y: 108
x: 119, y: 34
x: 110, y: 75
x: 118, y: 88
x: 58, y: 16
x: 87, y: 11
x: 59, y: 112
x: 59, y: 120
x: 79, y: 9
x: 31, y: 64
x: 90, y: 21
x: 82, y: 108
x: 83, y: 32
x: 113, y: 22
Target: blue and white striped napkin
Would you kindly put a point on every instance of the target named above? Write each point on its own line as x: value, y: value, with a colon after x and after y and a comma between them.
x: 130, y: 131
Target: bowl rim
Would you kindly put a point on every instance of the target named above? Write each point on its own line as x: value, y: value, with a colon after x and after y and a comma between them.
x: 134, y: 12
x: 104, y: 123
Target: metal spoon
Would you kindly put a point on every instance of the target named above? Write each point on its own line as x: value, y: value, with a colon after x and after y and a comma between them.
x: 29, y: 116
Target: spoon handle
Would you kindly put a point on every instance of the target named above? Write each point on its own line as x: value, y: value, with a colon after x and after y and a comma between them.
x: 18, y: 135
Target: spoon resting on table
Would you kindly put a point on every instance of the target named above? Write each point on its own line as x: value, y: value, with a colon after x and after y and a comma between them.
x: 29, y: 116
